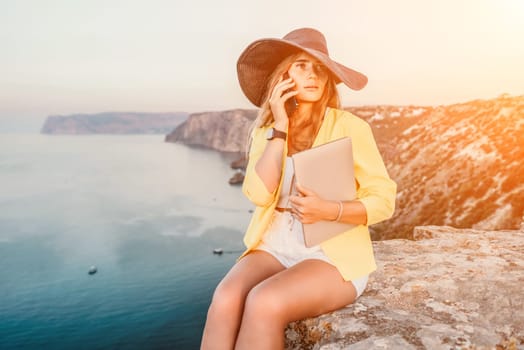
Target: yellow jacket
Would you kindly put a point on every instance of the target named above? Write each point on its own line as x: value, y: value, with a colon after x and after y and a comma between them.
x: 351, y: 252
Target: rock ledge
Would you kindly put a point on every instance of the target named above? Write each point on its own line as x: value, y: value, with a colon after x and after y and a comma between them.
x: 448, y: 289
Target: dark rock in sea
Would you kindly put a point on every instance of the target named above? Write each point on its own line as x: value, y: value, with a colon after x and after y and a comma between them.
x: 240, y: 163
x: 237, y: 179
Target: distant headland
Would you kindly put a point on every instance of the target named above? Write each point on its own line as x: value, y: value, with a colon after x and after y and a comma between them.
x: 113, y: 123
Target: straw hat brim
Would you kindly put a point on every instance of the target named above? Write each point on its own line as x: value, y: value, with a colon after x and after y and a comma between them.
x: 258, y: 61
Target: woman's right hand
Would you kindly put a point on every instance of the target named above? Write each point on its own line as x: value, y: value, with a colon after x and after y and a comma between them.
x: 280, y: 94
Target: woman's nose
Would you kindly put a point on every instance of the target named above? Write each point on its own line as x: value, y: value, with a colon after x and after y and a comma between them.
x: 312, y: 71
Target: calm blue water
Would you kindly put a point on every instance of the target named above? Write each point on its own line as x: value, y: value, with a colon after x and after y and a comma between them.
x: 145, y: 212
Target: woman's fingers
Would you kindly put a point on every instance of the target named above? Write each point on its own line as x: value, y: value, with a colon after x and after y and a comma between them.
x: 287, y: 84
x: 281, y: 88
x: 304, y: 190
x: 289, y: 94
x: 297, y: 206
x: 305, y: 206
x: 281, y: 93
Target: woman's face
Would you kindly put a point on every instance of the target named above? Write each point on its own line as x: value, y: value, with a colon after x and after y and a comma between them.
x: 310, y: 77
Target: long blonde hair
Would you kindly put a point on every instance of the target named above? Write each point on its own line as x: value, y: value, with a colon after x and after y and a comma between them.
x: 265, y: 117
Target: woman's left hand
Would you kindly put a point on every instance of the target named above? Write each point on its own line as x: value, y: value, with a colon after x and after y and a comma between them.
x: 308, y: 207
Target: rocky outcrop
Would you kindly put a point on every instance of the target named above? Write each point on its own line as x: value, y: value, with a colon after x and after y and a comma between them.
x: 448, y: 289
x: 460, y: 165
x: 113, y: 123
x: 225, y: 131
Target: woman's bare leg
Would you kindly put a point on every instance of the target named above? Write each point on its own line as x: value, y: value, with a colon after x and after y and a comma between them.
x: 225, y: 312
x: 308, y: 289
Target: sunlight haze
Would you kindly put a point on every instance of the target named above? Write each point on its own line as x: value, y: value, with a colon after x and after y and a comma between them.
x: 64, y: 57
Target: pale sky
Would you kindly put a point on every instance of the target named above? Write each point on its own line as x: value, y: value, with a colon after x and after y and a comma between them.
x: 75, y: 56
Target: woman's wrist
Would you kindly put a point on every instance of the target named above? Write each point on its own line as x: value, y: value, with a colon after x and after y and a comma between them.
x: 340, y: 211
x: 335, y: 210
x: 281, y: 125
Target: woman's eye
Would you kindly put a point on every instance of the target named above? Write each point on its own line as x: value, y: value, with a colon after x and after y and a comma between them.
x: 321, y: 68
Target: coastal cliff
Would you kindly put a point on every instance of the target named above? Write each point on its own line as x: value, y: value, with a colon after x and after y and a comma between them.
x: 457, y: 165
x: 225, y: 131
x: 447, y: 289
x: 113, y: 123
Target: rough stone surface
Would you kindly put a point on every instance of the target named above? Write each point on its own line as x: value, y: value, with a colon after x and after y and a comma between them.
x: 459, y: 166
x: 447, y: 289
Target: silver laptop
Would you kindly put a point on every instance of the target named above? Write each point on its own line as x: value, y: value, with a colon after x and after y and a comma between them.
x: 328, y: 170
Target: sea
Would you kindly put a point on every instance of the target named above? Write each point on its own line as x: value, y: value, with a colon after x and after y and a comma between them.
x: 146, y: 213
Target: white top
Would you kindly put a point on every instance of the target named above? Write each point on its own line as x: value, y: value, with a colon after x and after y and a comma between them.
x: 287, y: 184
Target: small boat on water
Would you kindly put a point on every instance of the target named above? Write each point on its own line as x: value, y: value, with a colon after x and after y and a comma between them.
x: 218, y: 251
x: 92, y: 270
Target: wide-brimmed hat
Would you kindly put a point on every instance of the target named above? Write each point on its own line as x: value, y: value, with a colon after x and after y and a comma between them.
x: 258, y: 61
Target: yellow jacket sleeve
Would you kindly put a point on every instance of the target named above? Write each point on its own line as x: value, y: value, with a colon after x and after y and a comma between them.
x: 376, y: 190
x: 253, y: 187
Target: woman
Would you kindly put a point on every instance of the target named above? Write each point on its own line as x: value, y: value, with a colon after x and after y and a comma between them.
x: 278, y: 280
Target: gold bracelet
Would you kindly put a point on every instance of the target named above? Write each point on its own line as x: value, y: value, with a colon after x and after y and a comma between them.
x: 340, y: 208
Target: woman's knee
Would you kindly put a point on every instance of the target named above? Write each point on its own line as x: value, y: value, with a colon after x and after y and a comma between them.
x: 227, y: 298
x: 264, y: 302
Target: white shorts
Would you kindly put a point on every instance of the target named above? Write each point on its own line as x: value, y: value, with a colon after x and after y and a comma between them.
x: 285, y: 241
